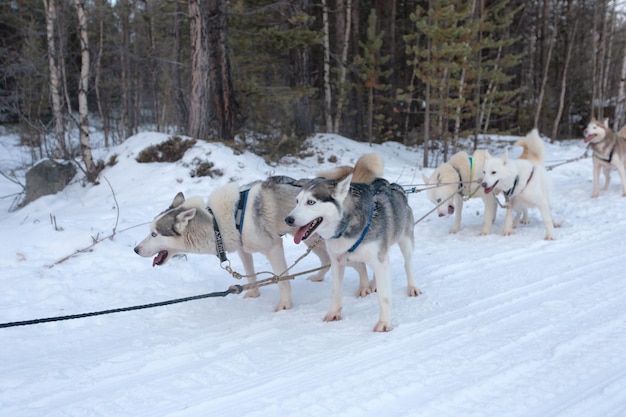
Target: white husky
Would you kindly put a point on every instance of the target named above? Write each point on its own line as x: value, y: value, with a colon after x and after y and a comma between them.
x: 457, y: 179
x: 359, y: 222
x: 524, y: 184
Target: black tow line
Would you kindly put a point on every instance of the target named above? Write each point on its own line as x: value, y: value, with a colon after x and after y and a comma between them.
x: 233, y: 289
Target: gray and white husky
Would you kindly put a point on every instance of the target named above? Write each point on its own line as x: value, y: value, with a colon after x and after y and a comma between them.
x: 358, y: 222
x: 249, y: 219
x: 524, y: 183
x: 609, y: 151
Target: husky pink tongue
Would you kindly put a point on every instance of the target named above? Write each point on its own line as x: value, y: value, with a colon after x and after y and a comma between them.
x: 588, y: 138
x: 490, y: 189
x: 297, y: 238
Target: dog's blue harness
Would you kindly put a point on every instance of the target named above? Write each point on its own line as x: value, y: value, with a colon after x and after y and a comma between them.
x: 367, y: 228
x: 240, y: 210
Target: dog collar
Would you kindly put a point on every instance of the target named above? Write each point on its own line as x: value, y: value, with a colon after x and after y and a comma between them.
x: 367, y: 228
x: 219, y: 242
x: 458, y: 172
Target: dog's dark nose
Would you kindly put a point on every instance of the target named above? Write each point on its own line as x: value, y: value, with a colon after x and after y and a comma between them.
x: 137, y: 250
x: 484, y: 184
x: 289, y: 220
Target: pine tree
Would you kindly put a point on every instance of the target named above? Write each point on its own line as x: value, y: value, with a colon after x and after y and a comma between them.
x: 495, y: 94
x: 371, y: 65
x: 443, y: 65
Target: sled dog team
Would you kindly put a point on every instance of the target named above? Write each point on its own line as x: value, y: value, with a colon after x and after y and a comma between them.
x: 360, y: 215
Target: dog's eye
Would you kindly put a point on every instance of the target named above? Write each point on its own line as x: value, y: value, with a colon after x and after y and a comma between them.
x: 493, y: 172
x: 153, y: 234
x: 438, y: 200
x: 310, y: 202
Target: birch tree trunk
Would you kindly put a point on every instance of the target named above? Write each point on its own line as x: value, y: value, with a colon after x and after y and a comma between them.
x: 55, y: 79
x: 83, y: 86
x: 327, y: 90
x: 602, y: 59
x: 568, y: 56
x: 621, y: 96
x: 97, y: 70
x: 341, y: 88
x: 544, y: 80
x: 458, y: 110
x: 426, y: 146
x: 181, y: 104
x: 125, y: 128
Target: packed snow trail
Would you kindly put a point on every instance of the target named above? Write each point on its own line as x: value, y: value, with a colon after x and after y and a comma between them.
x: 506, y: 326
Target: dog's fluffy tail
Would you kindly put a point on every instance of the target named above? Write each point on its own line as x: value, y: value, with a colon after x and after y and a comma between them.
x: 367, y: 168
x: 533, y: 147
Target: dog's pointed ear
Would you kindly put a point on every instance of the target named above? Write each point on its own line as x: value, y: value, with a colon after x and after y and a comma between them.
x: 343, y: 187
x: 505, y: 157
x: 425, y: 178
x: 184, y: 217
x: 178, y: 200
x: 606, y: 122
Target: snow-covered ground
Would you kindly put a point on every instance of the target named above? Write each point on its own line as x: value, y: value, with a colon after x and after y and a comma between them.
x: 506, y: 326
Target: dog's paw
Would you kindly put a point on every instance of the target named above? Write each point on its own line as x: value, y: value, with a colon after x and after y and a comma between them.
x: 364, y: 291
x: 382, y: 326
x: 283, y: 305
x: 507, y: 233
x: 317, y: 277
x: 253, y: 293
x: 454, y: 229
x: 549, y: 237
x: 333, y: 315
x: 414, y: 291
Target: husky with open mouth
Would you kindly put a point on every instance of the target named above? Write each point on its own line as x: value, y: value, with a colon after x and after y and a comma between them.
x: 523, y: 183
x: 609, y: 151
x: 358, y: 222
x: 248, y: 219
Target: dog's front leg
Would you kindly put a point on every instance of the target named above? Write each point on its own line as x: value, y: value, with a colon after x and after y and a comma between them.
x: 458, y: 209
x: 546, y: 216
x: 337, y: 268
x: 619, y: 164
x: 364, y: 282
x: 276, y: 256
x: 248, y: 266
x: 508, y: 221
x: 382, y: 274
x: 320, y: 251
x: 607, y: 177
x: 491, y: 206
x: 596, y: 178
